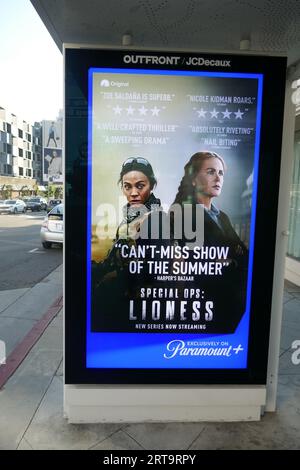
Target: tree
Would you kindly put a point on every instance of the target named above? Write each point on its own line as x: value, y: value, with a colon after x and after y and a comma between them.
x: 36, y: 190
x: 6, y: 191
x: 58, y: 192
x: 49, y: 192
x: 24, y: 191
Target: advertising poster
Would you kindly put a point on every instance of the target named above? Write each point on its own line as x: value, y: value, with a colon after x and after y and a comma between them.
x: 52, y: 151
x: 52, y: 134
x: 173, y: 162
x: 53, y: 165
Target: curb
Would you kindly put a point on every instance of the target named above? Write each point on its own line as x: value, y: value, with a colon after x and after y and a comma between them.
x: 18, y: 355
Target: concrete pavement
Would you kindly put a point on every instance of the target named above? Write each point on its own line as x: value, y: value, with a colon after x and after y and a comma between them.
x: 31, y: 406
x: 20, y: 309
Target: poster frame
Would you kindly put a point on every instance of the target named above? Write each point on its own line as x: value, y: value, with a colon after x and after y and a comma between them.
x: 77, y: 63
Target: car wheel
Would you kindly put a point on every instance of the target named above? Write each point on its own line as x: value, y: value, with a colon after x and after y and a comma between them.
x: 47, y: 245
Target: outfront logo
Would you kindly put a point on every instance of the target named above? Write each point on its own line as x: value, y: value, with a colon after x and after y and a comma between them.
x: 189, y: 61
x: 104, y: 83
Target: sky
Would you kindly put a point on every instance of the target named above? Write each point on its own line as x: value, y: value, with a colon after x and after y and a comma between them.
x: 31, y: 65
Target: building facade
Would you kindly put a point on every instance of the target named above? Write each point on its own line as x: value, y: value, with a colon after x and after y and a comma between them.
x: 37, y: 150
x: 19, y: 158
x: 23, y: 149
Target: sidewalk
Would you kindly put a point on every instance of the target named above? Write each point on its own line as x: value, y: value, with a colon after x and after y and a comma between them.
x: 21, y: 309
x: 31, y: 407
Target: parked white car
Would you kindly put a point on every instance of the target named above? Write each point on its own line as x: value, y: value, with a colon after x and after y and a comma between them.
x: 13, y: 206
x: 52, y: 230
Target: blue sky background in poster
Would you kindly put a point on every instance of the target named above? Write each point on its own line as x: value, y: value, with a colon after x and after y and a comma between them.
x: 165, y: 117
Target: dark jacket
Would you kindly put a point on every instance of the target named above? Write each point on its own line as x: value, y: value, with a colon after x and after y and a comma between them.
x: 112, y: 284
x: 229, y: 291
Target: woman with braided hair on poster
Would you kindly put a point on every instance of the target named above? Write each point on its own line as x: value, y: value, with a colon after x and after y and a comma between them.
x: 111, y: 283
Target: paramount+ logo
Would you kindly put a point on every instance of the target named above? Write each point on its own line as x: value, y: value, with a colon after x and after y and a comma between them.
x: 107, y: 84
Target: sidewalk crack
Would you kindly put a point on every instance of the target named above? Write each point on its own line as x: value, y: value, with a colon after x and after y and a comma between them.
x: 102, y: 440
x: 194, y: 440
x: 36, y: 410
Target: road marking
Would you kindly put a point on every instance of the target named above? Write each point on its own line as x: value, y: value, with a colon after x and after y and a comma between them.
x: 37, y: 250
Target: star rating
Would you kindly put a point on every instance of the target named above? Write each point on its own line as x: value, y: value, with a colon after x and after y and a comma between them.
x: 238, y: 114
x: 226, y: 114
x: 201, y: 113
x: 214, y: 113
x: 155, y: 111
x: 143, y: 111
x: 130, y: 110
x: 117, y: 109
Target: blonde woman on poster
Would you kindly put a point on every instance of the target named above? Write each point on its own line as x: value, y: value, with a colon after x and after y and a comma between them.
x: 203, y: 182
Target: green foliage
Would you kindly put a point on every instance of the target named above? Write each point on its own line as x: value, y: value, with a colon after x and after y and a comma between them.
x: 49, y: 192
x: 58, y: 192
x: 6, y: 191
x: 25, y: 191
x: 54, y: 191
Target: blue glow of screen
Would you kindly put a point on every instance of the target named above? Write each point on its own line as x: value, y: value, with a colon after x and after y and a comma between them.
x: 169, y: 350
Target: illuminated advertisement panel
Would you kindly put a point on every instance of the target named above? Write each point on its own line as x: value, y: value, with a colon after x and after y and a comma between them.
x: 52, y: 151
x: 170, y: 167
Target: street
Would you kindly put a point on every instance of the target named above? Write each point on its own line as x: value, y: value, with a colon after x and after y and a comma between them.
x: 23, y: 260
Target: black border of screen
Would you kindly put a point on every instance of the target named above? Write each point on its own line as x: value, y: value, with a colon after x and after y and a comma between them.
x: 77, y: 63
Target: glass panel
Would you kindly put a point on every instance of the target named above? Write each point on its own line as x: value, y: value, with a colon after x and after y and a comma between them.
x: 294, y: 222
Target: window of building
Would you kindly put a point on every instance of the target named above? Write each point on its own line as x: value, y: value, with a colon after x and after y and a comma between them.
x: 294, y: 216
x: 8, y: 128
x: 20, y: 133
x: 8, y: 169
x: 28, y: 172
x: 20, y: 152
x: 8, y: 148
x: 21, y: 172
